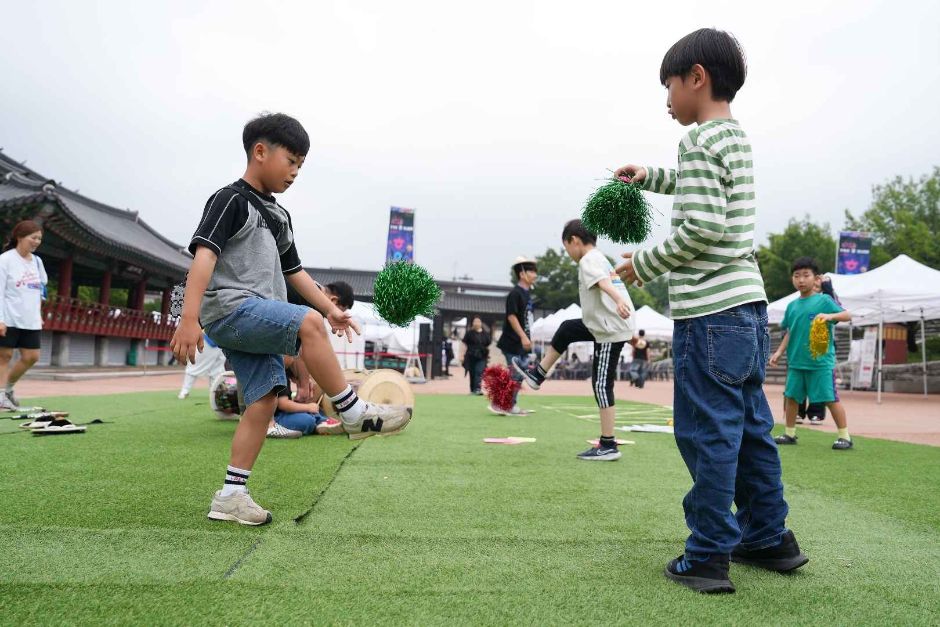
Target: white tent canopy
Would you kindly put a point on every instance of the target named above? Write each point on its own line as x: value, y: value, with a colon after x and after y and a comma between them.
x: 544, y: 328
x: 400, y: 340
x: 656, y: 325
x: 902, y: 290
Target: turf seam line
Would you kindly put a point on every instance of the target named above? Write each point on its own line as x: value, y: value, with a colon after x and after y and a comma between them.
x: 299, y: 519
x: 240, y: 560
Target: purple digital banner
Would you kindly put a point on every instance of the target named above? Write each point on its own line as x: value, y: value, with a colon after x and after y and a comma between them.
x: 854, y: 252
x: 401, y: 235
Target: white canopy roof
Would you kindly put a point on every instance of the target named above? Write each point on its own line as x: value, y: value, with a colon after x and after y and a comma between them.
x: 656, y: 325
x: 902, y: 290
x: 544, y: 328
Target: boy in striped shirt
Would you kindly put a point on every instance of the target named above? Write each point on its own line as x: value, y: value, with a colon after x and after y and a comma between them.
x: 720, y: 341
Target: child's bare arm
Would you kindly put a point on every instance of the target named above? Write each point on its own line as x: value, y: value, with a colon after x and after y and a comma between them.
x: 779, y: 352
x: 188, y: 336
x: 842, y: 316
x: 293, y: 407
x: 607, y: 286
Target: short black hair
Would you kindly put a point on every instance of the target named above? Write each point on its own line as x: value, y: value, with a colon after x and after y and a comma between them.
x: 574, y: 228
x: 715, y: 50
x: 276, y: 129
x: 804, y: 263
x: 519, y: 268
x: 642, y: 332
x: 343, y: 293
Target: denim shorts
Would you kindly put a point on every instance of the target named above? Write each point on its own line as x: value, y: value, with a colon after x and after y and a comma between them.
x: 254, y: 338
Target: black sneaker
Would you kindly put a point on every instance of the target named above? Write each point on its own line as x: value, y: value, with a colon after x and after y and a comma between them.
x: 707, y: 576
x: 842, y: 444
x: 816, y: 420
x: 785, y: 439
x: 782, y: 558
x: 530, y: 375
x: 601, y: 454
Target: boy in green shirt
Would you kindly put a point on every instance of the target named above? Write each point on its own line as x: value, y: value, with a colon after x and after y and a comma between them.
x: 809, y: 377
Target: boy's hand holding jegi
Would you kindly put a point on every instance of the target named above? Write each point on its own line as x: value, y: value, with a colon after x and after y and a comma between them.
x: 631, y: 173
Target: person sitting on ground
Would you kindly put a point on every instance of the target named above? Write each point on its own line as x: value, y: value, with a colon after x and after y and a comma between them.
x: 293, y: 419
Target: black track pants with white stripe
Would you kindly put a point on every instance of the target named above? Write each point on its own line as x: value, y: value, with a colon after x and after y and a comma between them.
x: 606, y: 358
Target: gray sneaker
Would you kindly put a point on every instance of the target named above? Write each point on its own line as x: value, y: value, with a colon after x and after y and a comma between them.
x: 238, y: 507
x: 12, y: 398
x: 7, y: 403
x: 376, y: 419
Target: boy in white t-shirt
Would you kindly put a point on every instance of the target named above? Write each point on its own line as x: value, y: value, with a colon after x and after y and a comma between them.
x: 605, y: 311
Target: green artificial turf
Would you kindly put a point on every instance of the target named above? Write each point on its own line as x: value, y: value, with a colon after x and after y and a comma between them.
x: 435, y: 527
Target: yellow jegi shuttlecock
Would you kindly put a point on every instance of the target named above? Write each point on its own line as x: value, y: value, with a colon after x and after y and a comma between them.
x: 818, y: 338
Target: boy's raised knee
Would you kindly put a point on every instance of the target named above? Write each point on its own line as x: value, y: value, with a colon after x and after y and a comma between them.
x: 312, y: 325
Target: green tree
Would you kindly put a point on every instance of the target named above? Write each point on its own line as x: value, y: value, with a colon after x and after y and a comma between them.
x: 801, y: 238
x: 557, y: 285
x: 904, y: 217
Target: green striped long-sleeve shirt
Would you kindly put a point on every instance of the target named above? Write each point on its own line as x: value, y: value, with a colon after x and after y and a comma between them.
x: 710, y: 254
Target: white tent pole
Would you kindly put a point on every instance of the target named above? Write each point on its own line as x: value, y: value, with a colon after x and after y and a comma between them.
x: 851, y: 376
x: 923, y: 347
x: 881, y: 330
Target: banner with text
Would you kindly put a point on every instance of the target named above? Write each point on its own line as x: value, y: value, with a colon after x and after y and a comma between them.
x: 854, y: 252
x: 401, y: 235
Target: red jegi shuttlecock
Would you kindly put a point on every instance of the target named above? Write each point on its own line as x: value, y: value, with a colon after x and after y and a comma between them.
x: 500, y: 387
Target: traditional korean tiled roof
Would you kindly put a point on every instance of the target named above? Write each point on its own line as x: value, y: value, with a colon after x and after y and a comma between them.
x: 90, y: 224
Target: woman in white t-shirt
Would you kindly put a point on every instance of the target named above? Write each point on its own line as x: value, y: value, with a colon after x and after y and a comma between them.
x: 22, y: 287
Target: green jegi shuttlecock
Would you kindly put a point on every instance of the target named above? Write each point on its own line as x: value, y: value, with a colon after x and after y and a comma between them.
x: 618, y: 211
x: 404, y: 290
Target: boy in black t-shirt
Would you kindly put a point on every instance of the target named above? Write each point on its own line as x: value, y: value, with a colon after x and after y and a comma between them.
x: 243, y: 252
x: 515, y: 340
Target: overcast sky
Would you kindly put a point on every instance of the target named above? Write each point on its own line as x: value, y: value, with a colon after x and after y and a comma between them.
x: 494, y: 120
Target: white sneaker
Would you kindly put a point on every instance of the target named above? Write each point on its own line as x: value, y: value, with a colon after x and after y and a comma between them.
x: 375, y: 419
x: 238, y: 507
x: 497, y: 410
x: 182, y: 395
x: 280, y: 432
x: 518, y: 411
x: 6, y: 403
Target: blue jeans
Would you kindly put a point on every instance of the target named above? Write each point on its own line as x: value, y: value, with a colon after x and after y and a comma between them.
x: 254, y: 337
x: 524, y: 358
x: 299, y: 421
x: 722, y: 427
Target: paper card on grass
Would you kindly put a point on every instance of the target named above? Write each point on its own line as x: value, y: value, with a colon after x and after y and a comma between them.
x: 596, y: 443
x: 511, y: 440
x: 647, y: 428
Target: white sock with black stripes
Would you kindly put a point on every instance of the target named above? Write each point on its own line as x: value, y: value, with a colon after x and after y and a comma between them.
x: 236, y: 480
x: 348, y: 404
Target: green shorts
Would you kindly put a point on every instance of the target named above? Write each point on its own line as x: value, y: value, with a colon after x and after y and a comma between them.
x: 818, y: 385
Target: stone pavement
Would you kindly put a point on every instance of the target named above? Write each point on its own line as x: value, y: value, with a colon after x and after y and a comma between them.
x: 904, y: 417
